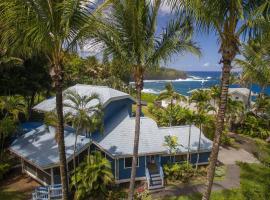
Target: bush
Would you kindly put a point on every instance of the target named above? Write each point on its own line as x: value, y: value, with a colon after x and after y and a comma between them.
x: 4, y: 168
x: 182, y: 172
x: 255, y: 127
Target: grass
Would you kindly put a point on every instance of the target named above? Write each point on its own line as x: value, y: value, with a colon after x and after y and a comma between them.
x: 149, y: 98
x: 254, y: 181
x: 12, y: 195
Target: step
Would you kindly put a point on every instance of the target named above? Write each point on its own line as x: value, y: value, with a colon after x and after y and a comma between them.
x: 159, y: 182
x: 155, y: 187
x: 154, y: 175
x: 156, y: 178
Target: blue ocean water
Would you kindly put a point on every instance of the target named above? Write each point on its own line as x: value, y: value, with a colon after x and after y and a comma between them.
x: 195, y: 80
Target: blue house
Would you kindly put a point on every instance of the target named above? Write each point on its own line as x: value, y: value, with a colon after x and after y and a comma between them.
x: 38, y: 151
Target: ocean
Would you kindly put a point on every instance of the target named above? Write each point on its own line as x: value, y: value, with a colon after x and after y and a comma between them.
x: 195, y: 80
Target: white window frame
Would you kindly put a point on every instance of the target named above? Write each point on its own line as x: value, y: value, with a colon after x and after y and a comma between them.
x: 138, y: 162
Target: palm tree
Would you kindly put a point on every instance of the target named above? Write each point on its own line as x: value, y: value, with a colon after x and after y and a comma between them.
x: 129, y: 34
x: 52, y: 27
x: 202, y: 98
x: 200, y: 119
x: 82, y: 111
x: 93, y: 177
x: 171, y: 95
x: 229, y: 19
x: 190, y: 118
x: 12, y: 106
x: 234, y: 112
x: 215, y: 94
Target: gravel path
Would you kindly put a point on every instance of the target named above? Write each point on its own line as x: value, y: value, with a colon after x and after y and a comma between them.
x: 228, y: 156
x: 231, y: 180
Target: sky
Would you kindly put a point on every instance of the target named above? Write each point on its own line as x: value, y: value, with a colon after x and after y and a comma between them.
x: 207, y: 42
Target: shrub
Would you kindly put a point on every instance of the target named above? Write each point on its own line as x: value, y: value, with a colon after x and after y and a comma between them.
x: 4, y: 168
x: 182, y: 172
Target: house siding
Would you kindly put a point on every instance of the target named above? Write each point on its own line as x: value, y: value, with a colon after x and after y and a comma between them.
x: 125, y: 173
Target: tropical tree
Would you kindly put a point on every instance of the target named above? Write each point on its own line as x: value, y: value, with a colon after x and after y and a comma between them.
x: 12, y: 106
x: 171, y: 95
x: 229, y: 19
x: 129, y: 34
x: 83, y: 111
x: 201, y: 98
x: 215, y: 94
x: 93, y: 177
x: 7, y: 127
x: 234, y: 113
x: 190, y: 119
x: 51, y: 27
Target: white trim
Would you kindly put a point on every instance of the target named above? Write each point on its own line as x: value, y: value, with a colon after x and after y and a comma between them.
x: 35, y: 177
x: 128, y: 180
x: 138, y: 162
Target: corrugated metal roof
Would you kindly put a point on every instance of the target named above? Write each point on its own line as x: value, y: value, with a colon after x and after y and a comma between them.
x: 39, y: 145
x: 118, y: 136
x: 105, y: 93
x: 244, y: 91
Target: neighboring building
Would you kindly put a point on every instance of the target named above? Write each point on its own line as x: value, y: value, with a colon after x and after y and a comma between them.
x: 39, y: 154
x: 241, y: 94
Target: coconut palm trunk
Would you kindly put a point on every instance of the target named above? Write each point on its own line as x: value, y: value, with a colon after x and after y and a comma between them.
x: 226, y: 70
x: 60, y: 133
x: 139, y: 87
x: 74, y: 157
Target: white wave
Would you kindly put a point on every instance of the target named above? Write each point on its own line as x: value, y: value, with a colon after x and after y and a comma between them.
x: 151, y: 91
x: 208, y: 77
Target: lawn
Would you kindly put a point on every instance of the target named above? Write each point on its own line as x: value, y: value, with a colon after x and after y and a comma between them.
x: 12, y: 195
x: 255, y: 184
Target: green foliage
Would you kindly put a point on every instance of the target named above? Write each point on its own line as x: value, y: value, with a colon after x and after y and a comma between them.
x: 171, y: 142
x: 183, y: 171
x: 175, y: 115
x: 93, y: 177
x: 4, y: 168
x: 255, y: 127
x: 149, y: 98
x: 254, y: 181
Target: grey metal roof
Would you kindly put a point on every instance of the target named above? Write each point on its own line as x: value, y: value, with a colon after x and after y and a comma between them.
x: 243, y: 91
x: 105, y: 93
x: 39, y: 145
x: 118, y: 136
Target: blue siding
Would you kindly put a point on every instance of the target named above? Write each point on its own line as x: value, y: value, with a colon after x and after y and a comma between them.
x: 124, y: 173
x: 204, y: 157
x: 116, y: 106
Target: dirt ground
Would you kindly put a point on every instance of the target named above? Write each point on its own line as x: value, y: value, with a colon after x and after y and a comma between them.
x: 17, y: 186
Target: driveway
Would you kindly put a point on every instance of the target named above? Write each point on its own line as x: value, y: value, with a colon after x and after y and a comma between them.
x: 229, y: 156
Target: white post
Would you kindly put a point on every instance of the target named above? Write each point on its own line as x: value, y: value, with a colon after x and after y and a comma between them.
x: 52, y: 177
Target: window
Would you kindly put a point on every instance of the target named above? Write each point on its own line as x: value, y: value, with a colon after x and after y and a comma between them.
x: 180, y: 158
x: 236, y: 98
x: 128, y: 162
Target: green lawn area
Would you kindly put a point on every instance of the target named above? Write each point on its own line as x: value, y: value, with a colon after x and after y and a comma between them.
x: 12, y: 195
x: 255, y: 184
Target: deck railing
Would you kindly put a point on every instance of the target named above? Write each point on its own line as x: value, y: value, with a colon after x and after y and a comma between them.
x: 147, y: 174
x: 161, y: 174
x: 48, y: 192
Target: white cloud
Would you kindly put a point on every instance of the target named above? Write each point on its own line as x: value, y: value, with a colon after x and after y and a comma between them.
x: 207, y: 64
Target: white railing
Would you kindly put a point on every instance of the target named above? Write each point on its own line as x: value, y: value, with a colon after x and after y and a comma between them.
x: 161, y: 174
x: 147, y: 174
x: 48, y: 192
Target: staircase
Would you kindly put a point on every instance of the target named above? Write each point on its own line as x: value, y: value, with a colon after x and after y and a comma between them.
x: 155, y: 180
x: 51, y: 192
